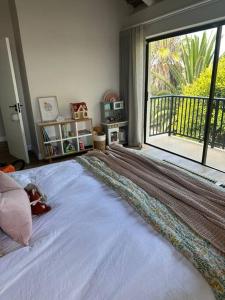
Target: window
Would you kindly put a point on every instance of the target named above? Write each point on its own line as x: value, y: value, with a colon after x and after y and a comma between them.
x: 185, y: 94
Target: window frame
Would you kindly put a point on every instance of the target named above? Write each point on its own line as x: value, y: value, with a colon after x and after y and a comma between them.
x: 218, y: 26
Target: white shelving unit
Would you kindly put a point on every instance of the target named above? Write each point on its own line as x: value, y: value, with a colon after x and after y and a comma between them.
x: 65, y: 137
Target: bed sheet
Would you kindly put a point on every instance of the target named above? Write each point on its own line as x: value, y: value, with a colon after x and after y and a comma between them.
x: 92, y: 245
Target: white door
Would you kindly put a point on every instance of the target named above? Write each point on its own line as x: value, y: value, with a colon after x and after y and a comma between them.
x: 10, y: 104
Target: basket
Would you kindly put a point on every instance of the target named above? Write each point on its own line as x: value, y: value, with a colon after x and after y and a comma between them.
x: 100, y: 141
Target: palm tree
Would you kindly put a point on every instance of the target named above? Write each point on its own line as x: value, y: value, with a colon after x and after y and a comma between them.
x: 163, y: 55
x: 183, y: 65
x: 197, y: 55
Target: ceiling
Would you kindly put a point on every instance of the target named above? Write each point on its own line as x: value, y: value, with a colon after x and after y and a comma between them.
x: 135, y: 3
x: 144, y: 3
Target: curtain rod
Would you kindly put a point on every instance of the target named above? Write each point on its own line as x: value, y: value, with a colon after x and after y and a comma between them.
x: 173, y: 13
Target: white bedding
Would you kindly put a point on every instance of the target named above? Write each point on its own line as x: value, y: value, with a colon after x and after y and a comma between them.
x: 92, y: 245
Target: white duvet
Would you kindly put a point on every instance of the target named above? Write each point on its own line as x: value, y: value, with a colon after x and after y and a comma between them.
x: 92, y: 245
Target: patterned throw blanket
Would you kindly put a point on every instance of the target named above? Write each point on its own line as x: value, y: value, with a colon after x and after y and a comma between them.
x: 169, y: 204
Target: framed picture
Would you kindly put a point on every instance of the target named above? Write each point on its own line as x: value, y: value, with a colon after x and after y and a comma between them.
x: 48, y: 108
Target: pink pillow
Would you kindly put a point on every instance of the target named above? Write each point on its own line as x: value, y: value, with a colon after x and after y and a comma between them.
x: 7, y: 183
x: 15, y: 211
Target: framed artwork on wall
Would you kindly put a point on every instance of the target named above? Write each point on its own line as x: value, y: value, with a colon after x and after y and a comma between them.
x: 48, y: 108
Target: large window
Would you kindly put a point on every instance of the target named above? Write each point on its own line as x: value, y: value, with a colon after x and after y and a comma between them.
x: 185, y: 96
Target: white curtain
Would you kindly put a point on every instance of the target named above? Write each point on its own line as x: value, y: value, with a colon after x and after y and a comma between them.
x: 132, y: 82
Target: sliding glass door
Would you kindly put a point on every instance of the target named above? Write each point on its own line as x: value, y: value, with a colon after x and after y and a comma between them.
x: 184, y: 111
x: 215, y: 144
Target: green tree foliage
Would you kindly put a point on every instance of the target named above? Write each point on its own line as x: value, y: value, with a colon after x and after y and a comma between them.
x: 197, y: 54
x: 201, y: 86
x: 177, y: 62
x: 163, y: 56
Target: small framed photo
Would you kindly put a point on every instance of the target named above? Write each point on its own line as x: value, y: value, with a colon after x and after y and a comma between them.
x: 48, y: 108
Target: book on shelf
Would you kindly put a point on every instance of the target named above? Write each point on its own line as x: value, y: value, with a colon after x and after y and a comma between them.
x: 45, y: 135
x: 51, y: 150
x: 65, y: 130
x: 48, y: 149
x: 84, y: 131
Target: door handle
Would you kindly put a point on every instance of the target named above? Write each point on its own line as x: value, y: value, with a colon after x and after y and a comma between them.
x: 17, y: 107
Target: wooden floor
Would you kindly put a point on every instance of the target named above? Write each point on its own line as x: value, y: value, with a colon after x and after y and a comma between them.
x: 6, y: 157
x: 160, y: 154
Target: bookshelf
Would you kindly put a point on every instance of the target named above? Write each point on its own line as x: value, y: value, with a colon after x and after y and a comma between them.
x: 65, y: 137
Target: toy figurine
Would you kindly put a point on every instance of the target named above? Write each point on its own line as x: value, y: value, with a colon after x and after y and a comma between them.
x: 79, y: 110
x: 81, y: 145
x: 37, y: 200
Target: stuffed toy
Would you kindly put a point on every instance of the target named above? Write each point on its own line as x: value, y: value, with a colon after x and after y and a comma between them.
x: 110, y: 96
x: 37, y: 200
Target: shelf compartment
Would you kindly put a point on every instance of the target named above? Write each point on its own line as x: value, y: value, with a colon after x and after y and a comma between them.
x: 84, y: 127
x: 62, y: 138
x: 53, y: 149
x: 86, y: 142
x: 68, y: 130
x: 51, y: 133
x: 82, y: 132
x: 70, y: 146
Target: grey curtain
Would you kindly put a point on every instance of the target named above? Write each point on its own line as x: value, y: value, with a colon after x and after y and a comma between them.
x: 132, y: 82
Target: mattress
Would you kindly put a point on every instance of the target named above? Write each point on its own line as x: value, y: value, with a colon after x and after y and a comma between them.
x: 92, y: 245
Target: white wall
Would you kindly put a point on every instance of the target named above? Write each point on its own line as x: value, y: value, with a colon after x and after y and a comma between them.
x: 71, y: 50
x: 6, y: 30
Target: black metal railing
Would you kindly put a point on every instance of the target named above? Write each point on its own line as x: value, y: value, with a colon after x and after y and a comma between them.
x: 185, y: 116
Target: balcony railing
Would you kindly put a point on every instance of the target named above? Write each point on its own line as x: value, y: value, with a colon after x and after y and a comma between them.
x: 185, y: 116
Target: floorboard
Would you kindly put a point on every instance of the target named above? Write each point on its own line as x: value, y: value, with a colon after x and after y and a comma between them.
x: 160, y: 154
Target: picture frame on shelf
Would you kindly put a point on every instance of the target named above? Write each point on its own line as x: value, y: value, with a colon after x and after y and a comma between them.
x: 48, y: 108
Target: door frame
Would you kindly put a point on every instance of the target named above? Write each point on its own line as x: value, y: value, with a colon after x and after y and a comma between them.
x: 218, y: 26
x: 15, y: 92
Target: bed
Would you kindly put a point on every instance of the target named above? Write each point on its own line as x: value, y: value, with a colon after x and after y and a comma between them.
x: 92, y: 245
